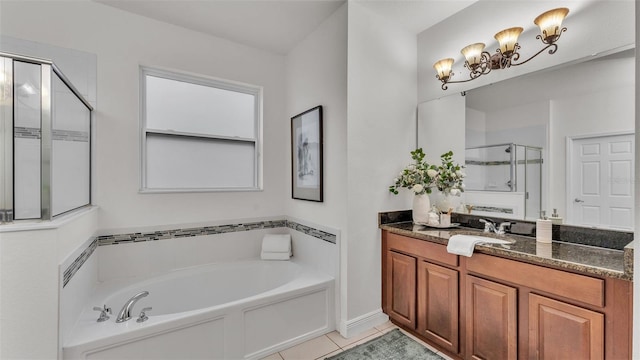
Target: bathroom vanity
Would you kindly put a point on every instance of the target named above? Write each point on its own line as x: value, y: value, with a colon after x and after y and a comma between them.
x: 515, y: 301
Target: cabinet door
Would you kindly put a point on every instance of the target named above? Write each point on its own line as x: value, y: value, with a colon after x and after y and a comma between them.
x: 558, y: 330
x: 438, y: 305
x: 491, y: 324
x: 401, y: 288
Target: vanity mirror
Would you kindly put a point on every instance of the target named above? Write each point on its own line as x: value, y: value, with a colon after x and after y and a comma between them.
x: 560, y: 138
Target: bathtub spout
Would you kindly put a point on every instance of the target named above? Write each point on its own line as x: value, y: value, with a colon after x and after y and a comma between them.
x: 125, y: 313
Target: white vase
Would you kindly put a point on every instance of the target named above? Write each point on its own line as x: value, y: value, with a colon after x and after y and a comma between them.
x: 421, y: 208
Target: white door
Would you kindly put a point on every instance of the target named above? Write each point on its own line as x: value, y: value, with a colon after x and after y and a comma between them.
x: 601, y: 184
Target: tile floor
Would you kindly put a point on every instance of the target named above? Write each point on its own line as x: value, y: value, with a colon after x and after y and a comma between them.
x: 333, y: 343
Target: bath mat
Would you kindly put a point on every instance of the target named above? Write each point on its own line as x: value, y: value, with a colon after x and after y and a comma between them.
x: 392, y: 345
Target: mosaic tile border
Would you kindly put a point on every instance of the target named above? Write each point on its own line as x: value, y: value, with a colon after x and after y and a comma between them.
x: 179, y: 233
x: 60, y: 135
x: 322, y: 235
x: 20, y: 132
x: 493, y: 209
x: 72, y: 269
x: 211, y: 230
x: 70, y: 135
x: 116, y: 239
x: 6, y: 215
x: 502, y: 162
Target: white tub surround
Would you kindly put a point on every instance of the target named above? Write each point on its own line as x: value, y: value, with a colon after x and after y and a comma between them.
x: 233, y: 310
x: 254, y: 311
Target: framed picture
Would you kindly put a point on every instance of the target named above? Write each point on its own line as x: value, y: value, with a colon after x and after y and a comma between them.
x: 306, y: 155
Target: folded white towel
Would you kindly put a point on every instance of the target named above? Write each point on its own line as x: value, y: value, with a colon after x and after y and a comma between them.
x: 275, y: 256
x: 464, y: 244
x: 279, y: 243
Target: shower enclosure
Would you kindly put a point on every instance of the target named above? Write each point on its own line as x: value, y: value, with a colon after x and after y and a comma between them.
x: 45, y: 141
x: 507, y: 168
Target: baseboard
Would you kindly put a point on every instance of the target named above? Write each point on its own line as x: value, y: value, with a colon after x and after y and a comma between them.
x: 362, y: 323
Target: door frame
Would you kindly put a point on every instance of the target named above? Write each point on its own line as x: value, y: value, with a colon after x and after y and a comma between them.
x: 569, y: 166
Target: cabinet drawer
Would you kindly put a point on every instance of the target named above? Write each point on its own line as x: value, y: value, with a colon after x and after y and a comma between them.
x: 571, y: 286
x: 425, y: 249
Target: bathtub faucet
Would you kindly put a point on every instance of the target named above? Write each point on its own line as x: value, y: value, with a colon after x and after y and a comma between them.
x: 125, y: 313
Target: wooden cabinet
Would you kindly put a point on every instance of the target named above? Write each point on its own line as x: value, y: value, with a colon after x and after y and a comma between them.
x: 438, y: 305
x: 491, y: 313
x: 487, y: 307
x: 558, y: 330
x: 401, y: 296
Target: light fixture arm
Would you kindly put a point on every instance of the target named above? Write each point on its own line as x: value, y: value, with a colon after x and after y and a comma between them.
x: 475, y: 71
x: 516, y: 56
x: 551, y: 45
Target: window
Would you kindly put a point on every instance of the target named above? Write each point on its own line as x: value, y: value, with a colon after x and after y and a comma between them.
x: 199, y: 134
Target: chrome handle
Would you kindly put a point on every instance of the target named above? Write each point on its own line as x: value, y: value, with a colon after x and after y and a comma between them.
x: 143, y: 317
x: 578, y: 200
x: 103, y: 313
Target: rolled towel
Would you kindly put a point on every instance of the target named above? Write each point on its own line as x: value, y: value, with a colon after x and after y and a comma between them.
x: 276, y: 247
x: 278, y: 243
x: 274, y: 256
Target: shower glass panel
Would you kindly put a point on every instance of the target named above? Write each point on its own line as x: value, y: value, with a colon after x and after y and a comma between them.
x: 27, y: 108
x: 507, y: 168
x: 70, y: 182
x: 489, y: 168
x: 45, y: 148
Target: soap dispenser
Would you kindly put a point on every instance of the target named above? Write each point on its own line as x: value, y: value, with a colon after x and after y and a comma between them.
x: 555, y: 218
x: 543, y: 229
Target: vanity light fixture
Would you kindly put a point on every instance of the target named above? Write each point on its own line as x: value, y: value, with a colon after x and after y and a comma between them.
x: 480, y: 62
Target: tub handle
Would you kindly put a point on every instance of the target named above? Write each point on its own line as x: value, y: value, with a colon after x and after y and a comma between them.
x: 103, y: 313
x: 143, y: 317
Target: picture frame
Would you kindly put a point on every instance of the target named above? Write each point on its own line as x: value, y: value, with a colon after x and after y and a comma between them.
x: 306, y: 155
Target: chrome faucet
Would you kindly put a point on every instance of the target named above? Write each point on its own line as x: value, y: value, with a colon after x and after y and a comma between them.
x: 490, y: 226
x: 125, y: 313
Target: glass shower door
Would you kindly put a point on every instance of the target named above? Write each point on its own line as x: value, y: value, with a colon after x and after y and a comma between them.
x: 27, y: 134
x: 70, y: 163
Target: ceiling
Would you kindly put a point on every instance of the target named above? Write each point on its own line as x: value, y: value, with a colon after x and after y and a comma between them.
x: 279, y: 25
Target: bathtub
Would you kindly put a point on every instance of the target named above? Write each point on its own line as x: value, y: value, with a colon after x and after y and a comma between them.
x: 240, y: 310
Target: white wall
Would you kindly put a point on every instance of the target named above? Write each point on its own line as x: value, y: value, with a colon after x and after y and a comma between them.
x: 31, y: 284
x: 381, y: 133
x: 122, y: 41
x: 316, y: 74
x: 441, y: 127
x: 475, y: 128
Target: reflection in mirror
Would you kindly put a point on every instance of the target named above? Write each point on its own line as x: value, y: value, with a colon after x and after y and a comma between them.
x: 512, y: 170
x: 572, y: 130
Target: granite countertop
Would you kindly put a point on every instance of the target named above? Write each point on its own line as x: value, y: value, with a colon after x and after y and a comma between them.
x: 576, y: 257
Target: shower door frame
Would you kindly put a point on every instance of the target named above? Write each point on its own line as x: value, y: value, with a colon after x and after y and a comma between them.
x: 7, y: 194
